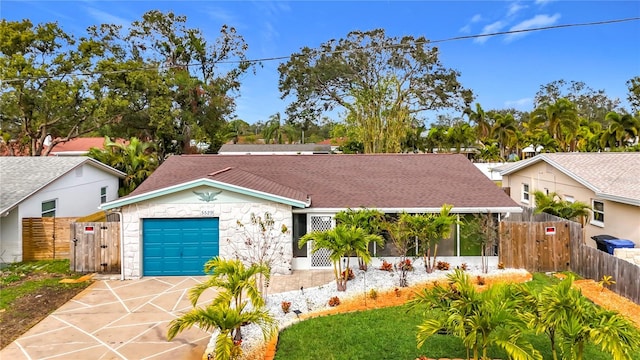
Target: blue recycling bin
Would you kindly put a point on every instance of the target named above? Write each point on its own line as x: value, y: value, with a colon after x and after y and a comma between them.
x: 600, y: 241
x: 618, y: 244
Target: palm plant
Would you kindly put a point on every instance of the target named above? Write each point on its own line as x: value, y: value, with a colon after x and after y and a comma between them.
x: 367, y: 219
x: 482, y: 120
x: 343, y: 241
x: 504, y: 131
x: 235, y: 280
x: 480, y: 319
x: 570, y: 321
x: 560, y: 117
x: 136, y: 159
x: 430, y: 229
x: 225, y: 319
x: 622, y: 127
x: 554, y: 205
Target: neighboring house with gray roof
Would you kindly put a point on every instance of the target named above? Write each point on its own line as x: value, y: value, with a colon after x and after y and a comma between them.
x: 188, y: 210
x: 44, y: 186
x: 608, y: 182
x: 274, y: 149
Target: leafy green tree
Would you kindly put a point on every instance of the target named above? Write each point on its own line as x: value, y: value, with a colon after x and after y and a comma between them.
x: 590, y: 104
x: 41, y: 97
x: 166, y: 81
x: 461, y: 135
x: 402, y: 235
x: 554, y: 205
x: 234, y: 281
x: 633, y: 85
x: 135, y: 158
x: 369, y: 220
x: 343, y: 241
x: 371, y: 76
x: 479, y: 319
x: 272, y: 132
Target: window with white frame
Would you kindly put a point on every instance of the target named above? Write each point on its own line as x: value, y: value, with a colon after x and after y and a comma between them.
x: 598, y: 212
x: 49, y: 208
x: 103, y: 195
x: 569, y: 199
x: 525, y: 193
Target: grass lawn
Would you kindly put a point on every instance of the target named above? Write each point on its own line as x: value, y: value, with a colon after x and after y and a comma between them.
x: 390, y: 333
x: 29, y: 291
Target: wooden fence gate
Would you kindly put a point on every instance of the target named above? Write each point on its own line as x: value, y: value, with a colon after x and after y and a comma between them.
x: 535, y: 246
x: 95, y: 247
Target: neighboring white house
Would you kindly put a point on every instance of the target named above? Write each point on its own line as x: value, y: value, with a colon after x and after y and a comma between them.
x: 188, y: 210
x: 48, y: 186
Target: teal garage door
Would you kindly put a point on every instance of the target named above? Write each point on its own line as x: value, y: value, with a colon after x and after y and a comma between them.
x: 178, y: 246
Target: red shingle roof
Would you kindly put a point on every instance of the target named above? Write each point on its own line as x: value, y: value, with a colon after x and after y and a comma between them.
x: 384, y: 181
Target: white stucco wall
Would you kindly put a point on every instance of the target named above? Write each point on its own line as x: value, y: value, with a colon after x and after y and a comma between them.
x: 10, y: 239
x: 228, y: 207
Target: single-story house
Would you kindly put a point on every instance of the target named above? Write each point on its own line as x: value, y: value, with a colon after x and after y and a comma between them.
x: 42, y: 186
x: 188, y: 210
x: 608, y: 182
x: 274, y: 149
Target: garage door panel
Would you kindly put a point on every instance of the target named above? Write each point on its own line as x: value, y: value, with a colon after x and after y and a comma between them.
x: 178, y: 246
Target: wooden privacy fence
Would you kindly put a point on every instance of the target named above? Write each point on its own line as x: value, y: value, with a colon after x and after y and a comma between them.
x: 536, y: 246
x: 592, y: 263
x: 45, y: 238
x: 95, y: 247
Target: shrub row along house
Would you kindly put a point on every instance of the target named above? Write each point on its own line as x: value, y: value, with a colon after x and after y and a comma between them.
x: 188, y: 210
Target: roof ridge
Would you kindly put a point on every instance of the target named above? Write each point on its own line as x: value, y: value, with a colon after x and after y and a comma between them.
x: 220, y: 171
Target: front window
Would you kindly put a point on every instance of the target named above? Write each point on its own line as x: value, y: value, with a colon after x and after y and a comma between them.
x: 49, y: 208
x: 598, y: 212
x: 103, y: 195
x: 525, y: 193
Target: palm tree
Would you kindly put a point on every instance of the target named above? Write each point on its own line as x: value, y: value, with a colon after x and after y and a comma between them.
x: 480, y: 319
x: 272, y: 130
x: 554, y: 205
x: 343, y: 241
x: 504, y: 131
x: 570, y: 320
x: 430, y: 229
x: 623, y: 128
x: 136, y: 158
x: 368, y: 220
x: 561, y: 119
x: 482, y: 120
x: 461, y: 135
x: 235, y: 280
x: 225, y: 319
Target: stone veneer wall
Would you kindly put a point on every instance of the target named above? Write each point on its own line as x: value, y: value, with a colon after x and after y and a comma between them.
x: 631, y: 255
x: 231, y: 237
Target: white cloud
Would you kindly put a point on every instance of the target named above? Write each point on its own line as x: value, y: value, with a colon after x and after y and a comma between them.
x: 467, y: 28
x: 520, y: 104
x: 104, y: 17
x: 543, y: 2
x: 535, y: 22
x: 514, y: 8
x: 223, y: 16
x: 489, y: 29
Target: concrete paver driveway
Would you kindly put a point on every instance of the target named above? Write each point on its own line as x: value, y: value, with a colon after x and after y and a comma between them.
x: 114, y: 319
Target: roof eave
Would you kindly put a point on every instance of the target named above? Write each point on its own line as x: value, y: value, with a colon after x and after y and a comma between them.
x: 200, y: 182
x: 619, y: 199
x: 455, y: 210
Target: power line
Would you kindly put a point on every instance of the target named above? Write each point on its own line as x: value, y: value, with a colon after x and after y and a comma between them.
x: 276, y: 58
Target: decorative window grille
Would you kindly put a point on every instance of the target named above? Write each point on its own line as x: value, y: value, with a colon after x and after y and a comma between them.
x: 321, y: 257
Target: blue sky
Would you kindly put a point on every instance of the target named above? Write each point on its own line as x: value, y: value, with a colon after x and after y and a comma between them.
x: 503, y: 71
